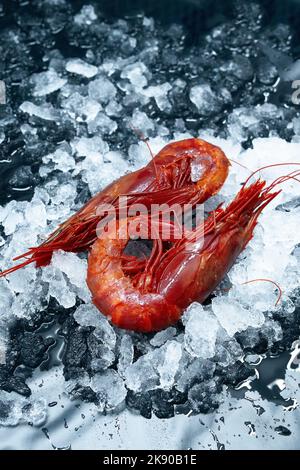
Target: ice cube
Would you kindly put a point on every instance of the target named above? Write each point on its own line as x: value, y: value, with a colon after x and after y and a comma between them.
x: 110, y: 390
x: 272, y: 331
x: 200, y: 332
x: 73, y: 266
x: 47, y: 82
x: 62, y: 160
x: 113, y: 109
x: 139, y: 154
x: 160, y: 94
x: 80, y: 67
x: 12, y: 220
x: 135, y: 74
x: 170, y: 362
x: 35, y: 213
x: 58, y: 288
x: 22, y: 281
x: 163, y: 336
x: 81, y: 108
x: 88, y: 315
x: 102, y: 90
x: 141, y: 122
x: 102, y: 124
x: 191, y: 370
x: 90, y: 146
x: 143, y: 375
x: 15, y: 410
x: 102, y: 356
x: 75, y: 269
x: 203, y: 396
x: 234, y: 317
x: 45, y: 112
x: 86, y: 16
x: 100, y: 170
x: 126, y: 352
x: 205, y: 100
x: 155, y: 369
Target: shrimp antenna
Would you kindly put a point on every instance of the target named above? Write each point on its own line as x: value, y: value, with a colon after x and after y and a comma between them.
x: 266, y: 167
x: 144, y: 139
x: 272, y: 282
x: 240, y: 164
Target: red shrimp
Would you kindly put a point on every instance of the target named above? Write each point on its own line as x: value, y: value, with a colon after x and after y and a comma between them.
x: 151, y: 294
x: 166, y: 179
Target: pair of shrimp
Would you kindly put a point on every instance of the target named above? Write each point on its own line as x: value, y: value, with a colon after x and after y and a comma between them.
x: 150, y: 294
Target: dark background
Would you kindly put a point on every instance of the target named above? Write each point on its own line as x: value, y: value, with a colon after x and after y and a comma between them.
x: 197, y: 15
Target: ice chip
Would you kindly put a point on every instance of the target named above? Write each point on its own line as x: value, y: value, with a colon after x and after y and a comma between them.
x: 45, y: 112
x: 86, y: 16
x: 135, y: 74
x: 58, y: 287
x: 163, y: 336
x: 110, y: 390
x: 62, y: 160
x: 142, y: 122
x: 102, y: 356
x: 233, y: 317
x: 102, y: 124
x: 73, y: 266
x: 160, y: 94
x: 81, y: 108
x: 200, y: 332
x: 205, y: 100
x: 15, y: 410
x: 102, y: 90
x: 126, y: 353
x: 47, y: 82
x: 35, y: 214
x: 168, y: 367
x: 88, y: 315
x: 80, y: 67
x: 90, y: 146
